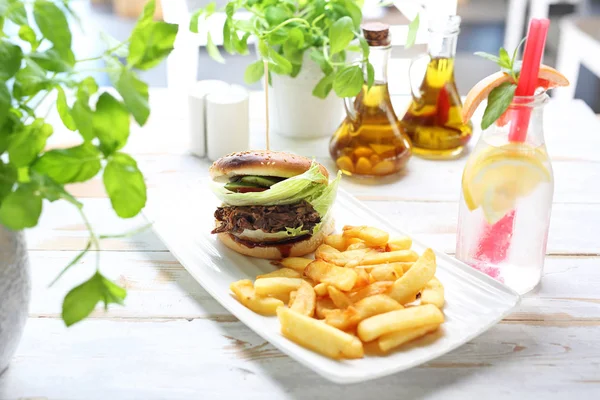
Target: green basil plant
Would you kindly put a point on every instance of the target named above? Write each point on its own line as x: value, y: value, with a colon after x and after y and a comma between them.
x: 37, y: 64
x: 286, y: 29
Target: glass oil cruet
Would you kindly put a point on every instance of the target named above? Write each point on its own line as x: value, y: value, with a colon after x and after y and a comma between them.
x: 370, y: 141
x: 433, y: 120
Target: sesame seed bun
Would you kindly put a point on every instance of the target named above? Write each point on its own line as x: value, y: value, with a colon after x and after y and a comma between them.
x: 262, y: 163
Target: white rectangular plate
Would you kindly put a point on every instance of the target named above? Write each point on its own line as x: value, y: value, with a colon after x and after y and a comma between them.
x: 183, y: 219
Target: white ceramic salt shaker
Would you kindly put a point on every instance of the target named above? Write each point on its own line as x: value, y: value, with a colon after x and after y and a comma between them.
x: 197, y: 112
x: 227, y: 122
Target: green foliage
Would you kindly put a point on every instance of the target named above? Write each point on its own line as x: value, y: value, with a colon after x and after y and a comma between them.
x: 37, y: 66
x: 286, y: 30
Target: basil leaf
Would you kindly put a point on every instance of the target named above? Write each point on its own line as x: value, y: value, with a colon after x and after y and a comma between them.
x: 86, y: 88
x: 134, y: 93
x: 364, y: 46
x: 292, y: 48
x: 22, y: 208
x: 8, y: 177
x: 55, y: 60
x: 213, y: 50
x: 30, y: 80
x: 121, y: 49
x: 63, y: 110
x: 276, y: 15
x: 413, y: 28
x: 341, y: 34
x: 241, y: 45
x: 111, y: 123
x: 52, y: 191
x: 28, y: 143
x: 281, y: 65
x: 498, y: 101
x: 75, y: 164
x: 125, y: 185
x: 52, y: 23
x: 488, y: 56
x: 324, y: 86
x: 353, y: 12
x: 505, y: 61
x: 370, y: 75
x: 81, y: 301
x: 5, y: 100
x: 227, y: 37
x: 193, y: 27
x: 254, y: 72
x: 27, y: 34
x: 349, y: 81
x: 150, y: 43
x: 15, y: 11
x: 11, y: 56
x: 82, y: 116
x: 319, y: 58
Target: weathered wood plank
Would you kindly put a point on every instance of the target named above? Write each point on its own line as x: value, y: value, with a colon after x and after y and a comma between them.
x: 160, y: 288
x: 200, y: 359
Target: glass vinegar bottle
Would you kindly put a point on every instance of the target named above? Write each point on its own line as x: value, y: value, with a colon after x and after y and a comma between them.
x: 370, y: 141
x: 433, y: 120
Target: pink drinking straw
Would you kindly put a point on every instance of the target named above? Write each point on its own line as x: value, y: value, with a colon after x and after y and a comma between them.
x: 532, y: 57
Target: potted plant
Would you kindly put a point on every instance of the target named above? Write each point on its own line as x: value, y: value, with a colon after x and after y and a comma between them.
x: 312, y: 47
x: 37, y: 64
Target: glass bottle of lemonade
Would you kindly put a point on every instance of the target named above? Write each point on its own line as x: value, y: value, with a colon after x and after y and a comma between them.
x: 433, y: 120
x: 507, y: 189
x: 370, y: 140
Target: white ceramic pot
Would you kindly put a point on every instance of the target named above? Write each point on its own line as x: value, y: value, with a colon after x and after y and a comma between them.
x: 15, y: 291
x: 293, y: 110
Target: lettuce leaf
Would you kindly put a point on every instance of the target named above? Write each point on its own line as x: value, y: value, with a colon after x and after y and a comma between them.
x: 323, y: 203
x: 289, y: 233
x: 307, y: 186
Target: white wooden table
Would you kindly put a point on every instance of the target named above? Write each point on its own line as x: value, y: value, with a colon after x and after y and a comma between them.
x: 173, y: 341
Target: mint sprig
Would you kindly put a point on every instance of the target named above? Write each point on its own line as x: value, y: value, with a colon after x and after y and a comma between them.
x: 500, y: 97
x: 37, y: 64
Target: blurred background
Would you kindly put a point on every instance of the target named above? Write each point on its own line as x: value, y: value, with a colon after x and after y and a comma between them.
x: 483, y: 28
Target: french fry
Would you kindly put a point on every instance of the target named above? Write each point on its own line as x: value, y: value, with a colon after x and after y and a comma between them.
x: 351, y: 241
x: 372, y: 236
x: 399, y: 320
x: 322, y: 306
x: 393, y: 340
x: 348, y: 318
x: 295, y: 263
x: 384, y: 273
x: 363, y: 279
x: 281, y: 273
x: 245, y: 293
x: 325, y: 249
x: 321, y: 271
x: 341, y: 259
x: 371, y: 290
x: 401, y: 243
x: 338, y: 242
x: 339, y: 299
x: 318, y: 336
x: 357, y: 246
x: 276, y: 287
x: 342, y: 319
x: 433, y: 293
x: 292, y: 298
x: 415, y: 278
x: 304, y: 300
x: 393, y: 256
x: 321, y: 289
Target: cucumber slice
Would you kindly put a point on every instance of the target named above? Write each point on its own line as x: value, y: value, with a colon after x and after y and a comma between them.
x: 261, y: 181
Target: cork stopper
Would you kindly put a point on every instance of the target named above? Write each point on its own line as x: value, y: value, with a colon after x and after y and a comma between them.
x: 377, y: 34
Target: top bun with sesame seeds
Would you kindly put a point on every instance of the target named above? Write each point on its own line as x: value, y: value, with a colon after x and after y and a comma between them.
x: 262, y: 163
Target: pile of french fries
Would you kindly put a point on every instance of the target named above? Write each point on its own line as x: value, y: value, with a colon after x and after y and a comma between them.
x: 361, y: 287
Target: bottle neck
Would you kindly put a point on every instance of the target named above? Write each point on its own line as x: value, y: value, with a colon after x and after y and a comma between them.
x: 524, y: 114
x: 378, y: 57
x: 442, y: 45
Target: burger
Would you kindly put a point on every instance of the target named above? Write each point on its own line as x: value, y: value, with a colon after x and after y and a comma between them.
x: 274, y: 204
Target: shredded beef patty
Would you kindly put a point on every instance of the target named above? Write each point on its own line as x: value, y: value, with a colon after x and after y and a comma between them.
x: 269, y: 219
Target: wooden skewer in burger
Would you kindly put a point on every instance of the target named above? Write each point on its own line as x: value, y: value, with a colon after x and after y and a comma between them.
x: 275, y: 204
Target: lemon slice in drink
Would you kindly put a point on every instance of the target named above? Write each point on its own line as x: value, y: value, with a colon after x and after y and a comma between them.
x: 498, y: 176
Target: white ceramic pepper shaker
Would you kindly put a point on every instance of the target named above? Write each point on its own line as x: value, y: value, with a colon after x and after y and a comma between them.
x: 227, y: 121
x: 197, y: 113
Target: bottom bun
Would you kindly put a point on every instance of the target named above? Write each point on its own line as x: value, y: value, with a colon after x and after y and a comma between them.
x: 276, y: 252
